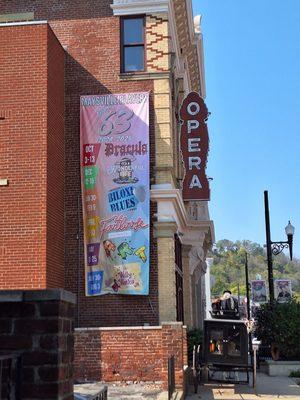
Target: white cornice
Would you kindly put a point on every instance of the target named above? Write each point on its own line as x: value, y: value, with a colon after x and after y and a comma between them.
x: 173, y: 196
x: 172, y: 207
x: 133, y: 7
x: 198, y: 41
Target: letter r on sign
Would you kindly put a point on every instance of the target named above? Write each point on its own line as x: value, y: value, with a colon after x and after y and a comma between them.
x: 194, y: 162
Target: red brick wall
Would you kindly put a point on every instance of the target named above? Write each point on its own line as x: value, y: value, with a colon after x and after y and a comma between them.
x: 55, y: 162
x: 32, y: 209
x: 92, y: 67
x: 91, y: 36
x: 23, y: 67
x: 130, y: 354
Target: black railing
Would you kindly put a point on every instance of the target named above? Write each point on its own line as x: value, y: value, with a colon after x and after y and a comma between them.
x: 171, y: 376
x: 263, y: 354
x: 101, y: 395
x: 10, y: 376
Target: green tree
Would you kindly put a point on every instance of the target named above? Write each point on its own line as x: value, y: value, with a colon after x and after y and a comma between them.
x: 229, y: 266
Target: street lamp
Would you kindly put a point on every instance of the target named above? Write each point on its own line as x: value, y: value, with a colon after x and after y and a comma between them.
x: 247, y: 285
x: 275, y: 248
x: 290, y: 230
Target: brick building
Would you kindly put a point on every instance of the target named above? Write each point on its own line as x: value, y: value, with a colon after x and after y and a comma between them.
x: 51, y: 53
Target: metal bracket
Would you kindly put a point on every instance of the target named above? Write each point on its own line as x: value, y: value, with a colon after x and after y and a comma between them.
x: 278, y: 247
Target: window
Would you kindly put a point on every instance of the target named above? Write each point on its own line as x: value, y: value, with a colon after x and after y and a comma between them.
x: 133, y: 44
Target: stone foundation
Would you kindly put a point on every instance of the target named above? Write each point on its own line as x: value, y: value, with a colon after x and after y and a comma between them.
x: 282, y: 368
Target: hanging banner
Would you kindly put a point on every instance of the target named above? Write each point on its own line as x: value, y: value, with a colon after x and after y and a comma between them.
x: 114, y: 135
x: 283, y: 290
x: 258, y: 291
x: 194, y: 143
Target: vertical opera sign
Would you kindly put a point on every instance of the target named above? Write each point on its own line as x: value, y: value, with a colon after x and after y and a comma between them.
x: 114, y: 134
x: 194, y: 144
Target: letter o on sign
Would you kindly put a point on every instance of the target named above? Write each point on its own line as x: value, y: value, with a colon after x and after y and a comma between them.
x: 195, y: 106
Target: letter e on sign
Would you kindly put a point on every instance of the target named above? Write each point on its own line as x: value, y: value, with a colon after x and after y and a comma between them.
x: 194, y: 143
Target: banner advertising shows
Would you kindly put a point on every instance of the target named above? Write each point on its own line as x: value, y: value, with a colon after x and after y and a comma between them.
x: 283, y: 290
x: 194, y: 143
x: 258, y: 291
x: 115, y: 192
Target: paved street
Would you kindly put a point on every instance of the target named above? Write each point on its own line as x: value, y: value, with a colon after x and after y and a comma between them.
x: 267, y: 388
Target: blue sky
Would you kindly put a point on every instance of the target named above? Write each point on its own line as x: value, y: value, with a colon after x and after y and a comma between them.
x: 252, y: 66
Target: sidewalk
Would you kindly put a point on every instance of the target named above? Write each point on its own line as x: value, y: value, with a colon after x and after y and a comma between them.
x: 118, y: 391
x: 124, y: 391
x: 268, y: 387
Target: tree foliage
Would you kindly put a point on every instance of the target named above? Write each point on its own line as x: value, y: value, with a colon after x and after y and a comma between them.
x: 194, y: 338
x: 228, y: 268
x: 279, y: 324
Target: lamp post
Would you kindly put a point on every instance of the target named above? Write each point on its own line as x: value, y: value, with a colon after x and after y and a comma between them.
x: 275, y: 248
x: 247, y: 285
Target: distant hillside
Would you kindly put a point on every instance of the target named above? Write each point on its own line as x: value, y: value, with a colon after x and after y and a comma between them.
x: 228, y: 268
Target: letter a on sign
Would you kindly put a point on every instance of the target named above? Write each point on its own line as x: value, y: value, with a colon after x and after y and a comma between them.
x: 194, y: 144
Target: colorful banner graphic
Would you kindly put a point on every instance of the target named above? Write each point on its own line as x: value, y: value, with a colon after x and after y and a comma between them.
x: 283, y: 290
x: 194, y: 143
x: 258, y: 291
x: 114, y: 134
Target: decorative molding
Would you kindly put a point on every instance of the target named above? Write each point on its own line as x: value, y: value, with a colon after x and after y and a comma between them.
x: 185, y: 250
x: 200, y: 54
x: 198, y: 273
x: 170, y: 203
x: 198, y: 210
x: 196, y: 258
x: 171, y: 207
x: 133, y: 7
x: 165, y: 229
x: 189, y: 9
x: 197, y: 24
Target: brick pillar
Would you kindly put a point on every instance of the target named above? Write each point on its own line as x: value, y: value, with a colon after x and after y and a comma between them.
x: 187, y: 294
x: 39, y: 325
x: 164, y: 232
x: 174, y: 344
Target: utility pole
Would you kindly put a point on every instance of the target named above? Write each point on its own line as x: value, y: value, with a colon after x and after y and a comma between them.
x: 269, y: 248
x: 247, y: 285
